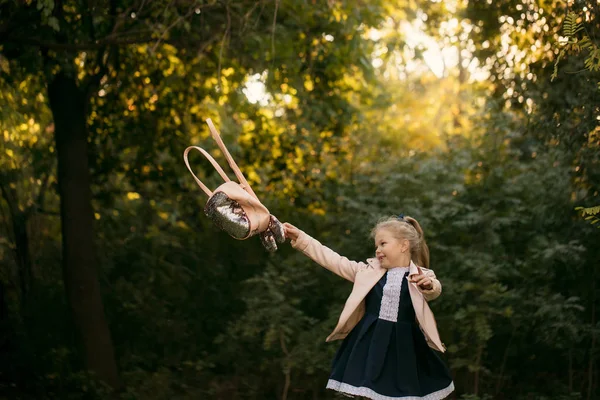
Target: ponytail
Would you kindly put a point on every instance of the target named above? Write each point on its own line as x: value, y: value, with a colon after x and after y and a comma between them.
x: 421, y: 253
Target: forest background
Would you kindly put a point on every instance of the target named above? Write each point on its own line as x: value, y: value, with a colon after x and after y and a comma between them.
x: 479, y: 118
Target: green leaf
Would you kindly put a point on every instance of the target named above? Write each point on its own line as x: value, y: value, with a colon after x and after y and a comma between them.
x: 53, y: 23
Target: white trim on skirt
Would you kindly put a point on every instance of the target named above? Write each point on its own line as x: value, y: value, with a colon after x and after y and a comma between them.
x: 366, y: 392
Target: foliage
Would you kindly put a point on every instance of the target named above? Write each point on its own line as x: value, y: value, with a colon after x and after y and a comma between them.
x: 592, y: 63
x: 591, y: 213
x: 570, y: 29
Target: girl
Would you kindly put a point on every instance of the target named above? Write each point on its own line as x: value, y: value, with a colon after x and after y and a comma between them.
x: 390, y: 335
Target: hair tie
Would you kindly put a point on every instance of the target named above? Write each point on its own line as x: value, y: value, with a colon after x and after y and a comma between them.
x: 400, y: 217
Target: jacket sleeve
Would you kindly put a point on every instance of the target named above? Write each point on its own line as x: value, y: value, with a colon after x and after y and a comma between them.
x: 436, y: 289
x: 326, y: 257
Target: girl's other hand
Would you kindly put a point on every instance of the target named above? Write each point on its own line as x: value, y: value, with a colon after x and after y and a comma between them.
x: 423, y: 281
x: 291, y: 232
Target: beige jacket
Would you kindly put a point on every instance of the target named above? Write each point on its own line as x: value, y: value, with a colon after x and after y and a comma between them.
x: 365, y: 276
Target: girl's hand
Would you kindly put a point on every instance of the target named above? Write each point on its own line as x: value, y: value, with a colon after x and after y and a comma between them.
x: 423, y: 281
x: 291, y: 232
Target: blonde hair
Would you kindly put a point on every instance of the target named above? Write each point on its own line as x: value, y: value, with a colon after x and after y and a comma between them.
x: 407, y: 228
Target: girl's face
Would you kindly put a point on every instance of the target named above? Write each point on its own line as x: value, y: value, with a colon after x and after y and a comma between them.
x: 390, y: 251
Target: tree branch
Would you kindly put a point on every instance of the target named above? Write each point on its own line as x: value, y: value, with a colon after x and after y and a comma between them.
x: 49, y: 45
x: 87, y: 15
x: 178, y: 20
x: 273, y: 33
x: 9, y: 232
x: 225, y: 35
x: 43, y: 211
x: 39, y: 204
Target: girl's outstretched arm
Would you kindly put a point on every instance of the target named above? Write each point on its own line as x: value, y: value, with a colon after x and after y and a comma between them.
x: 322, y: 255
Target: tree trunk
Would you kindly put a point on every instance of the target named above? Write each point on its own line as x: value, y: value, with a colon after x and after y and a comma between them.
x: 21, y: 240
x: 570, y: 370
x: 504, y: 359
x: 286, y: 369
x: 477, y: 368
x: 67, y: 102
x: 593, y: 346
x: 22, y: 252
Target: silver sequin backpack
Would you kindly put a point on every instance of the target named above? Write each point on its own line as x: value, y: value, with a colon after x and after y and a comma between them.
x: 233, y: 206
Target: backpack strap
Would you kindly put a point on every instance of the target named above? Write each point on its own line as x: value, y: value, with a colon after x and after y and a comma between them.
x: 242, y: 180
x: 212, y: 161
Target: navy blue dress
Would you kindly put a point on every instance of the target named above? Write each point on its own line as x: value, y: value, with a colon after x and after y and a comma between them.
x: 386, y: 356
